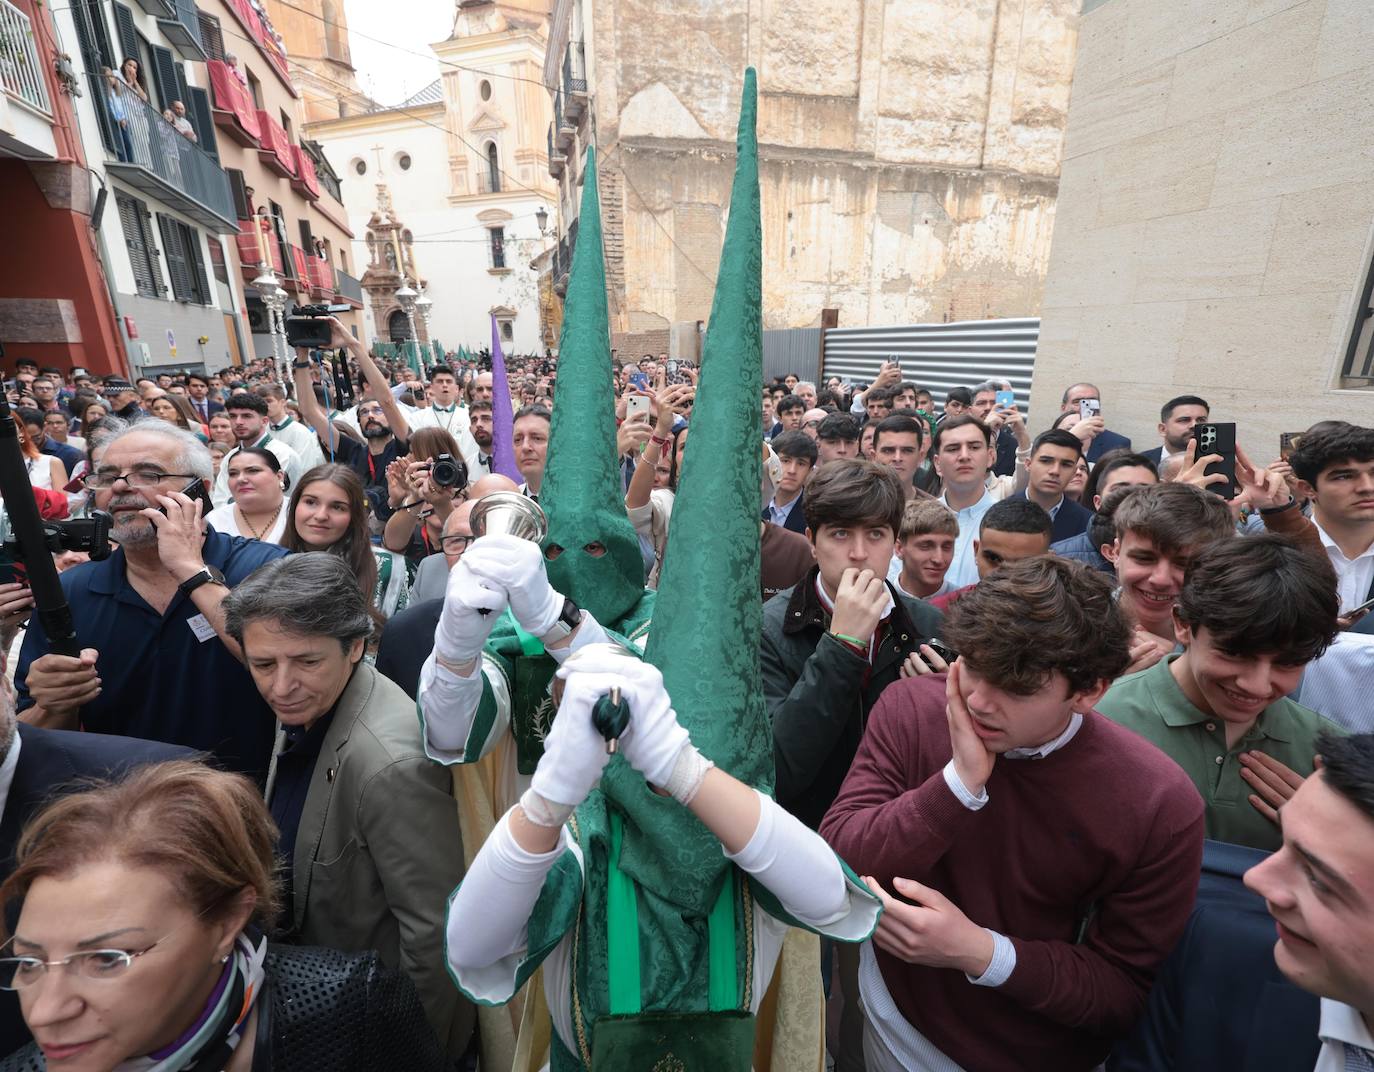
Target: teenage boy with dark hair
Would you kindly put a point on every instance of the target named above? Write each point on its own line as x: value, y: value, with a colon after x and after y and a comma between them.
x: 836, y: 639
x: 1319, y: 888
x: 925, y: 548
x: 961, y: 451
x: 1053, y: 459
x: 837, y: 437
x: 1335, y: 467
x: 878, y: 403
x: 789, y: 409
x: 958, y: 401
x: 1012, y: 530
x: 997, y: 947
x: 899, y: 443
x: 797, y: 452
x: 1115, y: 469
x: 1252, y: 613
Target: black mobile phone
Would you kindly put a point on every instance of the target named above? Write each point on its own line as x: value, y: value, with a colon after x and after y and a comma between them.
x: 196, y: 489
x: 1219, y: 439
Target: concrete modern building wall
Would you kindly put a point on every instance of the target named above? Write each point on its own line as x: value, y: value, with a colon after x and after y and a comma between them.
x: 1215, y: 222
x: 909, y: 150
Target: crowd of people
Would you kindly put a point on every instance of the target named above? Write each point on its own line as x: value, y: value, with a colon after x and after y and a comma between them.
x: 1019, y: 745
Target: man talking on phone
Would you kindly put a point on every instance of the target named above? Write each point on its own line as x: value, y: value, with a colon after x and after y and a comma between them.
x: 156, y: 661
x: 1091, y: 428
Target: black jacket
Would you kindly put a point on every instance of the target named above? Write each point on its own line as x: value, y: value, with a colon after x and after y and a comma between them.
x: 406, y: 643
x: 325, y: 1011
x: 816, y: 691
x: 51, y: 763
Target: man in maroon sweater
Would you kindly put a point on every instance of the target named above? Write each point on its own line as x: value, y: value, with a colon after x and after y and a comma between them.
x: 1036, y: 861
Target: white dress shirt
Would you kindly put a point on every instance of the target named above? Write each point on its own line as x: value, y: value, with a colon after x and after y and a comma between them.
x: 1336, y: 683
x: 779, y: 514
x: 963, y: 570
x: 1354, y: 576
x: 1341, y: 1028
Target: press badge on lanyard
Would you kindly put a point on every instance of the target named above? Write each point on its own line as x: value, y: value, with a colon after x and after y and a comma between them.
x: 200, y: 625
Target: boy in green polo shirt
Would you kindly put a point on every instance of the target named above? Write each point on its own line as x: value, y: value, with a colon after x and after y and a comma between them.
x: 1253, y: 612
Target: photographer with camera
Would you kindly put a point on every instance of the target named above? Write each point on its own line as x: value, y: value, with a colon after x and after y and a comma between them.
x: 422, y: 490
x: 380, y: 419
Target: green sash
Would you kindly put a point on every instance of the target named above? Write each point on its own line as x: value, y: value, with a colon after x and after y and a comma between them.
x: 628, y: 1039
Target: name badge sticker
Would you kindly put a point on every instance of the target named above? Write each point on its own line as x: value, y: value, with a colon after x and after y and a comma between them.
x: 201, y: 626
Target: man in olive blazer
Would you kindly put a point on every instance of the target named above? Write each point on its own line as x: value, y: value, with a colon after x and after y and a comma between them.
x: 367, y: 825
x: 378, y: 850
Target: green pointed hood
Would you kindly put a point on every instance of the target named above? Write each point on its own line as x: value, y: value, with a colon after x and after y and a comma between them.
x: 707, y: 615
x: 582, y: 492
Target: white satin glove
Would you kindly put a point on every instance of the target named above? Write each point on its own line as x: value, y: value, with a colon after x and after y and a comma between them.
x: 654, y: 742
x: 517, y: 567
x: 574, y: 752
x: 463, y: 626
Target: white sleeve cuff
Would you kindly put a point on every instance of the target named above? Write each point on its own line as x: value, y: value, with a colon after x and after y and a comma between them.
x: 957, y: 787
x: 1001, y: 966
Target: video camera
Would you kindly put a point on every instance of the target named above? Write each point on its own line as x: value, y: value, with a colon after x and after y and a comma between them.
x: 88, y: 534
x: 306, y: 327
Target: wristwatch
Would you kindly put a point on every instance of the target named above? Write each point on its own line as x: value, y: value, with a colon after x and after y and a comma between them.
x: 206, y: 575
x: 569, y: 620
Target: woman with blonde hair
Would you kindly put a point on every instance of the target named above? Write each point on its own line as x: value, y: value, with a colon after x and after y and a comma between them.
x: 139, y: 943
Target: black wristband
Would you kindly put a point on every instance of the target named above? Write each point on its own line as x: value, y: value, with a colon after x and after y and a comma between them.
x: 1268, y: 511
x: 300, y: 364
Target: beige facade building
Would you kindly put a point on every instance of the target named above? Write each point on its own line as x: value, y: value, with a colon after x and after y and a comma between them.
x: 1216, y: 216
x: 286, y: 195
x: 316, y: 37
x: 909, y: 151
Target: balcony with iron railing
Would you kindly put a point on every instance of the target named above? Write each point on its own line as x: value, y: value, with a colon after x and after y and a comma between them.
x: 563, y: 124
x: 232, y: 105
x: 276, y: 150
x: 574, y: 84
x: 182, y: 29
x: 557, y: 161
x: 348, y: 288
x: 21, y: 72
x: 147, y: 152
x: 306, y: 183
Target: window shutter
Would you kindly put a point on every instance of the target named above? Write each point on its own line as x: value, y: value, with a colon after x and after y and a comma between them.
x: 198, y: 110
x: 211, y: 35
x: 143, y: 258
x: 181, y: 84
x: 165, y: 76
x: 195, y: 264
x: 173, y: 247
x: 124, y: 28
x: 240, y: 192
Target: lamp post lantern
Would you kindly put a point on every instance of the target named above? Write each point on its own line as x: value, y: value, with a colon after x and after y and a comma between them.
x: 424, y: 305
x: 405, y: 298
x: 274, y: 298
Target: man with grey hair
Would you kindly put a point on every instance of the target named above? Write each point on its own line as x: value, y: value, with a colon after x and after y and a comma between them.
x: 806, y: 391
x: 381, y: 820
x: 431, y: 579
x: 155, y: 659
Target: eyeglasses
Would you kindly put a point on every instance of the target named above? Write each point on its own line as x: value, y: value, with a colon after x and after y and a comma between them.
x: 18, y: 973
x: 455, y: 545
x: 139, y: 478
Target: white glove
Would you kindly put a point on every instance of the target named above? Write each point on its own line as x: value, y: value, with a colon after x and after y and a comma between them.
x: 574, y: 753
x: 463, y: 628
x: 517, y: 567
x: 654, y: 742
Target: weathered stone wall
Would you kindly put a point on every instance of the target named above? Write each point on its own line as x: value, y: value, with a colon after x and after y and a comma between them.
x: 910, y: 152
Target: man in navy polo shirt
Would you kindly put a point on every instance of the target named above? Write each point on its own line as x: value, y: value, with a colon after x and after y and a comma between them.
x: 156, y: 662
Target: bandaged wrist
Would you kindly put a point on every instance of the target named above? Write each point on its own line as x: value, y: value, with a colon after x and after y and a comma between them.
x: 543, y: 812
x: 689, y: 770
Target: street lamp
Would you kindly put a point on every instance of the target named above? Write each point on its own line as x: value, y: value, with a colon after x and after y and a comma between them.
x: 541, y: 217
x: 274, y: 298
x: 424, y: 305
x: 405, y: 297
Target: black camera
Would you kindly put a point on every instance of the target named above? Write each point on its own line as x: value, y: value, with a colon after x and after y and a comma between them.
x: 88, y: 534
x: 307, y: 325
x: 447, y: 472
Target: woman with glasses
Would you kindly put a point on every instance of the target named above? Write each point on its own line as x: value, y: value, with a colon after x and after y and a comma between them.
x: 258, y: 487
x: 328, y: 512
x: 139, y: 943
